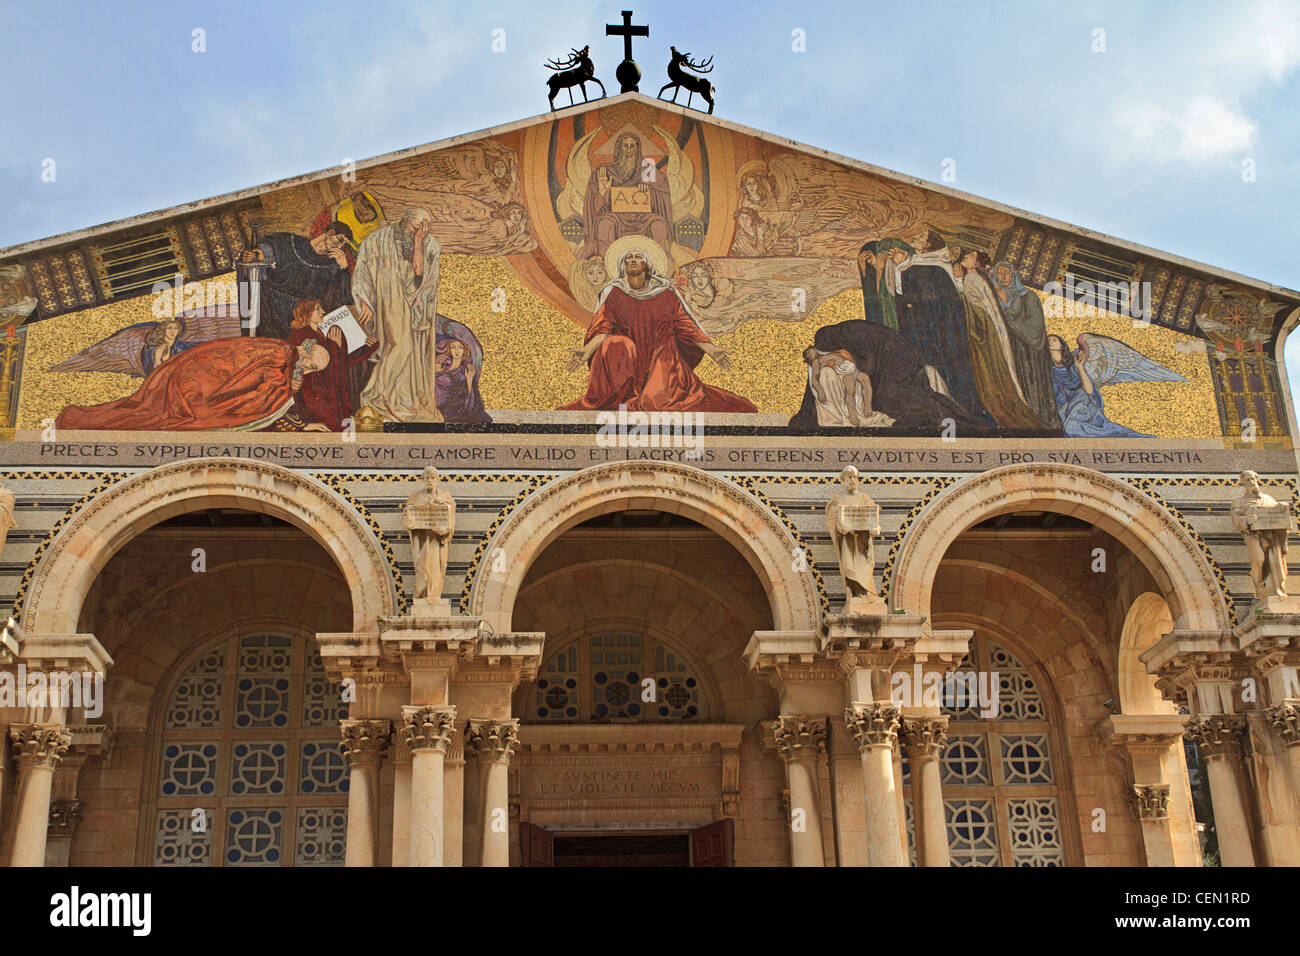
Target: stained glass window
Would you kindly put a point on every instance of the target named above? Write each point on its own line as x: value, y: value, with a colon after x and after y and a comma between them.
x: 616, y: 675
x: 1001, y: 801
x: 251, y: 772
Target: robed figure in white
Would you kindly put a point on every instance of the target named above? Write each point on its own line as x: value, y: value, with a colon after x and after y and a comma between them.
x: 395, y: 289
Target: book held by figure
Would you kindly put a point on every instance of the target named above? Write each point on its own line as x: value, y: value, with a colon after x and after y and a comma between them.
x: 857, y: 518
x: 353, y: 334
x: 1270, y: 518
x: 433, y: 517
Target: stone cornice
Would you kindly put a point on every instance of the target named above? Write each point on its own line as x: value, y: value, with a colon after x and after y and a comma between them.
x: 650, y: 739
x: 766, y: 649
x: 1154, y: 731
x: 71, y: 653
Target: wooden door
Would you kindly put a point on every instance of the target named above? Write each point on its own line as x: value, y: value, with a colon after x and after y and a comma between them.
x: 537, y: 845
x: 714, y: 844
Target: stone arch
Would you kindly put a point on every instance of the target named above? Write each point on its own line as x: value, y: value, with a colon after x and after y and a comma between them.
x: 1163, y: 546
x: 717, y: 504
x: 1148, y: 619
x: 68, y: 569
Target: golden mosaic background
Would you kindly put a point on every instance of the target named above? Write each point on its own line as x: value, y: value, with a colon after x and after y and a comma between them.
x: 526, y: 348
x: 44, y: 393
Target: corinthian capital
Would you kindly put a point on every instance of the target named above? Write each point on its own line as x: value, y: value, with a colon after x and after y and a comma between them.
x: 1219, y: 735
x: 493, y: 740
x: 39, y: 745
x: 1285, y: 718
x: 428, y: 728
x: 365, y: 741
x: 924, y: 736
x: 873, y: 723
x: 799, y: 737
x: 1151, y: 801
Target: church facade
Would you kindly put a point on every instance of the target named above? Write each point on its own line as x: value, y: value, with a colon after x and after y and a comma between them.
x: 624, y: 486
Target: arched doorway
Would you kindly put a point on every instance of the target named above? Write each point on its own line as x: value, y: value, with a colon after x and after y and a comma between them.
x: 1180, y: 569
x: 184, y: 574
x: 1075, y: 573
x: 707, y: 499
x: 65, y: 573
x: 642, y: 722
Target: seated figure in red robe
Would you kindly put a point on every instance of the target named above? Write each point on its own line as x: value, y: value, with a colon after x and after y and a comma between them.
x: 330, y: 395
x: 237, y: 383
x: 643, y: 345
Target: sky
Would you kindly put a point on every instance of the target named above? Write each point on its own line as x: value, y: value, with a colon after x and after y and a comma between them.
x: 1172, y: 125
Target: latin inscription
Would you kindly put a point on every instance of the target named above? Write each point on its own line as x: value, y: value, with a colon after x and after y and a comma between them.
x: 363, y: 455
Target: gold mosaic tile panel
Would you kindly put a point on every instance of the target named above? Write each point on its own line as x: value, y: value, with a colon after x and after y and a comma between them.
x: 44, y: 393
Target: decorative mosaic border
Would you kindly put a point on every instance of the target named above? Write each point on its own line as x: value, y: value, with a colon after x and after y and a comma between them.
x: 533, y: 482
x: 104, y: 480
x: 1144, y: 485
x: 748, y: 483
x: 335, y: 481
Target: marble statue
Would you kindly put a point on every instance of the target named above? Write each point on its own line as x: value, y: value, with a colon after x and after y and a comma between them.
x: 430, y: 519
x: 854, y: 523
x: 1265, y: 524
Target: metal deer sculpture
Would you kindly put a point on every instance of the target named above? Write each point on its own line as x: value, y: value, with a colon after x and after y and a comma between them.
x: 577, y: 70
x: 692, y: 84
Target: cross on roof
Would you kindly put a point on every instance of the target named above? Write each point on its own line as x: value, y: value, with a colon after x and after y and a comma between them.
x: 627, y: 32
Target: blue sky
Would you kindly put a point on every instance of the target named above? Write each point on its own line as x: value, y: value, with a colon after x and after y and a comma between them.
x: 1144, y: 140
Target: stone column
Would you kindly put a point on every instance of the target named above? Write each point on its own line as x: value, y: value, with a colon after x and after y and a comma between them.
x: 799, y: 740
x: 38, y: 748
x: 364, y: 743
x: 1284, y: 718
x: 1151, y: 803
x: 1152, y: 744
x: 925, y: 738
x: 401, y: 802
x: 874, y: 725
x: 494, y: 741
x: 427, y: 731
x: 1219, y: 741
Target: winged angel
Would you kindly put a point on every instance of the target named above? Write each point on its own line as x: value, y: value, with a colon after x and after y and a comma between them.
x: 139, y: 349
x: 1078, y: 375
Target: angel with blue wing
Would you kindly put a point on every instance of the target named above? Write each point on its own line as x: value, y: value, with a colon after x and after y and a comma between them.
x: 139, y: 349
x: 1077, y: 377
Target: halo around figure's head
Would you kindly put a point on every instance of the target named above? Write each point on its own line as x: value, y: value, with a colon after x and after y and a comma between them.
x: 653, y: 252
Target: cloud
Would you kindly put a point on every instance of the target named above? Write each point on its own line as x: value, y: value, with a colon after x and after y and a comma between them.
x: 1199, y: 112
x: 1198, y: 129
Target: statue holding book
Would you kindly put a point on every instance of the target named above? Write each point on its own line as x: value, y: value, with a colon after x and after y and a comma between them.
x: 430, y: 519
x: 1265, y: 524
x: 854, y: 523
